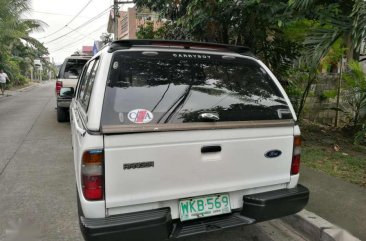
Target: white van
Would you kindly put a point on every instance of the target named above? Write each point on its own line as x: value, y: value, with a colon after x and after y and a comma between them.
x: 68, y: 77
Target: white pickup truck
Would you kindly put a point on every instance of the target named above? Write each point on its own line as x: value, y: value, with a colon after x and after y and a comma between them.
x: 174, y: 138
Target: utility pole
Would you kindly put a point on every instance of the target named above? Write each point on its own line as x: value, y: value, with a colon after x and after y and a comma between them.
x: 116, y: 16
x: 339, y: 93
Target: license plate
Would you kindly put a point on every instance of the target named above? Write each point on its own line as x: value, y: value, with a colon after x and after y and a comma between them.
x: 201, y: 207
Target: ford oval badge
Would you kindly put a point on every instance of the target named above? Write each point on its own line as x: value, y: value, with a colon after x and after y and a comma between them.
x: 273, y: 153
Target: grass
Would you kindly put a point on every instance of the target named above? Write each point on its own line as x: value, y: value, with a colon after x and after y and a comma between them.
x: 333, y: 152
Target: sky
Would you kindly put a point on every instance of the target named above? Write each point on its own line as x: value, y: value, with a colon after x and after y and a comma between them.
x: 62, y: 40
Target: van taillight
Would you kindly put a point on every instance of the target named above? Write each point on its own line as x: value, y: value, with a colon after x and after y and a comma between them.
x: 295, y: 165
x: 58, y: 87
x: 92, y: 179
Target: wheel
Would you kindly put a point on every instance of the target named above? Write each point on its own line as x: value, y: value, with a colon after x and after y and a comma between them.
x: 62, y: 114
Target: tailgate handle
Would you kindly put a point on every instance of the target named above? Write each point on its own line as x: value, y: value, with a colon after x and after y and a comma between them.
x: 209, y: 149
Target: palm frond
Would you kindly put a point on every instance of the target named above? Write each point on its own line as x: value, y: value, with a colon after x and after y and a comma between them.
x: 36, y: 44
x: 359, y: 23
x: 13, y: 8
x: 318, y: 43
x: 34, y: 25
x: 321, y: 38
x: 301, y: 5
x: 355, y: 77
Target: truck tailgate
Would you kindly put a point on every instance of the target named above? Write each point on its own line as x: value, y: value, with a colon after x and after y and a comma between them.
x: 180, y: 169
x: 69, y: 82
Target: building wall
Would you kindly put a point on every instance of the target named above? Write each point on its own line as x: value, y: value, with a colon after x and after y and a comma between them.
x: 110, y: 28
x: 132, y: 23
x: 122, y: 25
x: 127, y: 24
x: 130, y: 20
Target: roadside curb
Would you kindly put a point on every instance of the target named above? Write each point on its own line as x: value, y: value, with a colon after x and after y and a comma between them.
x: 317, y: 228
x: 33, y: 84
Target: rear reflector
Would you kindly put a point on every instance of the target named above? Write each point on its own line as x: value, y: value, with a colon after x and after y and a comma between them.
x: 295, y: 164
x: 92, y: 175
x: 92, y: 187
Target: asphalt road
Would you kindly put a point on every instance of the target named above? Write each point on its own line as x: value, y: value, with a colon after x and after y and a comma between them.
x: 340, y: 202
x: 37, y: 188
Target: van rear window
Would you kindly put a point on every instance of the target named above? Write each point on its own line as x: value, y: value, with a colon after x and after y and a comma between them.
x: 73, y: 68
x: 184, y: 87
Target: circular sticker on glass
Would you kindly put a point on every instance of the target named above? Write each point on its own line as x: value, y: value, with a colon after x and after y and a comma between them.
x: 140, y: 116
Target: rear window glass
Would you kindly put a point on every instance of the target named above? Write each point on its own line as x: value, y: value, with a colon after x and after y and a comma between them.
x: 73, y: 68
x: 180, y: 88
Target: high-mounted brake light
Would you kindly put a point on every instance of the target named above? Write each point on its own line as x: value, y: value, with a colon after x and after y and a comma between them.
x: 295, y: 165
x: 92, y: 179
x: 58, y: 87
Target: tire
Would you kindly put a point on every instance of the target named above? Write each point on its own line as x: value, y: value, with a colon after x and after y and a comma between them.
x: 62, y: 114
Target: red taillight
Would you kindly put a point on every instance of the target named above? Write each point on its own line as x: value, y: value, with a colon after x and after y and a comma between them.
x: 58, y: 87
x: 92, y: 175
x: 92, y: 187
x: 295, y: 165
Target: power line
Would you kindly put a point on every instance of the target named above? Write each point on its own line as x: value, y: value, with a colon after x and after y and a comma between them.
x: 79, y: 33
x: 52, y: 13
x: 82, y: 9
x: 73, y: 35
x: 65, y: 40
x: 78, y: 13
x: 81, y: 26
x: 73, y: 43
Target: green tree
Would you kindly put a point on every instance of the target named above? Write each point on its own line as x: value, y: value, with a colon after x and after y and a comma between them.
x: 146, y: 31
x: 341, y: 20
x: 355, y: 80
x: 169, y: 9
x: 337, y: 29
x: 17, y: 47
x: 257, y: 24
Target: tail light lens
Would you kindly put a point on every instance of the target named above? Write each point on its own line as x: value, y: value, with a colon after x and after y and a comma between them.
x: 92, y: 175
x: 58, y: 87
x: 295, y: 165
